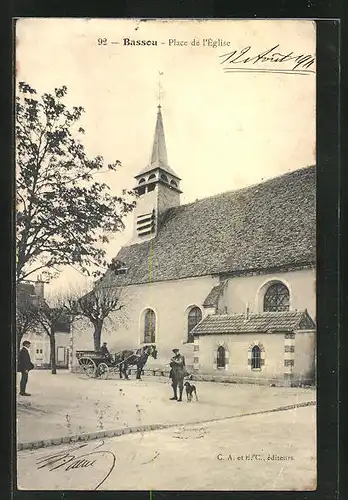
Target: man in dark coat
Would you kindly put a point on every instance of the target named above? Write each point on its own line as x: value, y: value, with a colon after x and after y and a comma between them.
x: 105, y: 351
x: 24, y: 366
x: 177, y: 374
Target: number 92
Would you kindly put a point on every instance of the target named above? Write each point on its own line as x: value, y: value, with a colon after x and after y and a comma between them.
x: 102, y: 41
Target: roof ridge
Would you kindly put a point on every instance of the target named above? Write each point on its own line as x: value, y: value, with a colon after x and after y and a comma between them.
x: 249, y: 186
x: 261, y: 313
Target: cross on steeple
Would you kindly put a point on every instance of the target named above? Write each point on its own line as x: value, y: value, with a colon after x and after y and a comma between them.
x: 160, y: 92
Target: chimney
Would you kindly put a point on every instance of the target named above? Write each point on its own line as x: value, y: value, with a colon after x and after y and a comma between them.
x: 39, y: 287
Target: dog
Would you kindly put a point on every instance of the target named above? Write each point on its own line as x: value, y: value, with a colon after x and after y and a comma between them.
x: 190, y: 391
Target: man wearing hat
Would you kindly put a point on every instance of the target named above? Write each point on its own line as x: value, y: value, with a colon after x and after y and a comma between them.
x: 177, y: 374
x: 24, y: 366
x: 105, y: 351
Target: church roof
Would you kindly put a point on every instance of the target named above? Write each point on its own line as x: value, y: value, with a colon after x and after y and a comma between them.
x: 212, y: 298
x: 266, y: 322
x: 159, y: 158
x: 266, y: 226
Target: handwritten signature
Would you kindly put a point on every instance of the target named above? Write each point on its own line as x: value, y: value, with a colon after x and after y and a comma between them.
x: 66, y: 460
x: 243, y: 60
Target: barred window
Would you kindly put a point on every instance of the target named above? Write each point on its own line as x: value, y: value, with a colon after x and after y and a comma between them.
x: 150, y: 326
x: 277, y: 298
x: 255, y: 357
x: 194, y: 317
x: 221, y: 357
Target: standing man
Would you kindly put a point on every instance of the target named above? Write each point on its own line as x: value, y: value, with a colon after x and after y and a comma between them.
x: 24, y: 366
x: 177, y: 374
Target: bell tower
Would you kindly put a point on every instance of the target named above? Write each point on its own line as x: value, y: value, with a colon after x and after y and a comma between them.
x: 158, y: 187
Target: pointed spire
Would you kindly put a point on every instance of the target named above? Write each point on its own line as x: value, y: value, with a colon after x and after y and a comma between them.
x: 159, y: 149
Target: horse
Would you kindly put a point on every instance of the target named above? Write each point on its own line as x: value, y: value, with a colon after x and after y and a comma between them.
x: 136, y: 358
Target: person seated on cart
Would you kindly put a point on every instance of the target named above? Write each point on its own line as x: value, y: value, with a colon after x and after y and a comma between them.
x: 105, y: 352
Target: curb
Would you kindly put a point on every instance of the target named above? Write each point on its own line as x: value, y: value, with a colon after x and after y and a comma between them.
x: 45, y: 443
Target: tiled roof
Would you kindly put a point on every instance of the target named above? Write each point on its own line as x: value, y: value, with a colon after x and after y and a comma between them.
x: 158, y: 164
x: 267, y: 322
x: 212, y: 298
x: 269, y: 225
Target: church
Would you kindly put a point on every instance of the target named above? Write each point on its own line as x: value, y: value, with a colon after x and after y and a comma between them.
x: 230, y: 280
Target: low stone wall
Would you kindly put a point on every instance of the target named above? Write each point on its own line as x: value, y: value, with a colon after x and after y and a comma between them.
x: 208, y: 377
x: 47, y: 366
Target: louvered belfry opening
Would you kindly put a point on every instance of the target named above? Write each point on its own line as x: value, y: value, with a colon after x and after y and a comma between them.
x: 146, y: 223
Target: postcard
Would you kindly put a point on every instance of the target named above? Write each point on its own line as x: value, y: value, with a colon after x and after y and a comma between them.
x: 166, y: 254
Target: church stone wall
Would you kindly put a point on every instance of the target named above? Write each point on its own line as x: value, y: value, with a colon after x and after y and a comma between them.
x: 171, y: 302
x: 248, y: 291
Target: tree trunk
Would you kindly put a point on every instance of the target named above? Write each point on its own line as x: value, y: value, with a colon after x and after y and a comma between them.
x: 53, y: 353
x: 97, y: 334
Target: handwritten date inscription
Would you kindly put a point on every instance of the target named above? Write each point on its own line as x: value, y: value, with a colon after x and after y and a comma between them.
x: 271, y: 60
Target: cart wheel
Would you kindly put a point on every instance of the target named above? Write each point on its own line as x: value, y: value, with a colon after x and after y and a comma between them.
x: 103, y: 370
x: 88, y: 367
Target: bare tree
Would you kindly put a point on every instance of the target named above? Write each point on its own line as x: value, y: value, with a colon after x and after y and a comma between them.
x: 97, y: 306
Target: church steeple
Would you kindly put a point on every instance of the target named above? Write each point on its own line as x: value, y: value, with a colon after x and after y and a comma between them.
x: 158, y: 187
x: 159, y: 158
x: 159, y: 150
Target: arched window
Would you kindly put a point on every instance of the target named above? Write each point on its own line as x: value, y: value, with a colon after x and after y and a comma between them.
x: 173, y: 183
x: 152, y: 176
x: 221, y: 357
x: 142, y: 180
x: 194, y: 317
x: 255, y: 357
x: 164, y: 177
x: 149, y: 326
x: 277, y: 298
x: 151, y: 187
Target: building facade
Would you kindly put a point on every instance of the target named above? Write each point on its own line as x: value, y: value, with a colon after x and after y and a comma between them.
x: 246, y: 253
x: 40, y: 349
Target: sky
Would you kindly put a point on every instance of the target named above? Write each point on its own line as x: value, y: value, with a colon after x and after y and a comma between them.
x: 224, y: 130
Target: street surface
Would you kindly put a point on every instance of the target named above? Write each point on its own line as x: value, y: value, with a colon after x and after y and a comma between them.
x: 274, y: 451
x: 68, y: 404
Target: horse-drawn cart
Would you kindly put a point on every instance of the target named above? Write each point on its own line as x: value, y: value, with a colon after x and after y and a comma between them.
x: 97, y: 364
